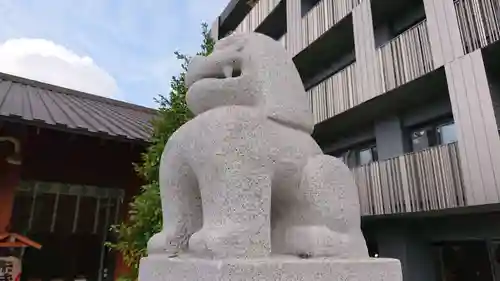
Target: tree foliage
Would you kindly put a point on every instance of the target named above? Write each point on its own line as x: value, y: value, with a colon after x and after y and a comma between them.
x: 144, y: 215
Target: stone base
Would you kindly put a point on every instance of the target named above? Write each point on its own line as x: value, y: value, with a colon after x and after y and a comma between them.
x: 162, y: 268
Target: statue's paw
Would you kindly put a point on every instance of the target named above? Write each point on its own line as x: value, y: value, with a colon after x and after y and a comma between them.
x: 213, y: 243
x: 319, y: 241
x: 157, y: 243
x: 202, y: 243
x: 162, y: 243
x: 225, y: 242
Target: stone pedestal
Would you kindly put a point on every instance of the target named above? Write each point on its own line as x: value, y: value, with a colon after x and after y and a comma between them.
x: 162, y: 268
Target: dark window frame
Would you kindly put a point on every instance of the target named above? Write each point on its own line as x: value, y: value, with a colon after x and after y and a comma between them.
x: 433, y: 127
x: 355, y: 151
x: 307, y: 5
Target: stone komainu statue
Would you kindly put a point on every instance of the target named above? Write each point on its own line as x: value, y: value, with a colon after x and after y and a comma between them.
x: 244, y: 178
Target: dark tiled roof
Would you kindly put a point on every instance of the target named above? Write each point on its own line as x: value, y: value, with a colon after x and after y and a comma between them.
x: 43, y: 104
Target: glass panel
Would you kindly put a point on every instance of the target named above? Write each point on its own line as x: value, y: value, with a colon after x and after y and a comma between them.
x: 86, y: 217
x: 447, y: 133
x: 44, y: 212
x: 21, y: 212
x: 421, y: 139
x: 495, y: 258
x: 307, y: 5
x: 374, y: 153
x: 365, y: 156
x: 466, y: 261
x: 65, y: 214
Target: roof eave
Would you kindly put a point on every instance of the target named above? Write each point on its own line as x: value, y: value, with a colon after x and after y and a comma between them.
x: 76, y: 131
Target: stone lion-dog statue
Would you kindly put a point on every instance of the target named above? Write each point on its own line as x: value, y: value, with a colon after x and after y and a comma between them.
x: 244, y: 178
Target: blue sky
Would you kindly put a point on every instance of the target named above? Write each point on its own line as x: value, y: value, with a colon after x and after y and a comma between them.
x: 116, y: 48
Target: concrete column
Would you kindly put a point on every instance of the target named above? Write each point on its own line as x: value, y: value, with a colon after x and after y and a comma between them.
x: 478, y: 140
x: 414, y: 252
x: 390, y: 138
x: 368, y: 70
x: 444, y: 33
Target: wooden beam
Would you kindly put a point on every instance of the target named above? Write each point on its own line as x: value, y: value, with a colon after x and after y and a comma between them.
x: 12, y: 245
x: 22, y: 241
x: 17, y: 245
x: 27, y: 241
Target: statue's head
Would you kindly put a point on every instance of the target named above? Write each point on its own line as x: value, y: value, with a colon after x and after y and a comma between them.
x: 249, y: 69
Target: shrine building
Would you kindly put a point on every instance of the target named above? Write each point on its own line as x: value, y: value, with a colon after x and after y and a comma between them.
x: 67, y: 175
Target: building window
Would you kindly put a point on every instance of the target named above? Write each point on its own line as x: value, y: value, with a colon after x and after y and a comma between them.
x: 367, y: 155
x: 433, y: 135
x: 307, y: 5
x: 463, y: 261
x: 358, y: 155
x: 446, y: 133
x: 423, y: 138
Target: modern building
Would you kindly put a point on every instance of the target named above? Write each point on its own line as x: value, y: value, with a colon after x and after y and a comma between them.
x: 66, y: 175
x: 407, y: 92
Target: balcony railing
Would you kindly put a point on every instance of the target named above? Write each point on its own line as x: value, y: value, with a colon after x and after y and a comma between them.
x: 420, y: 181
x: 405, y: 57
x: 323, y: 16
x: 257, y: 15
x: 478, y: 21
x: 334, y: 95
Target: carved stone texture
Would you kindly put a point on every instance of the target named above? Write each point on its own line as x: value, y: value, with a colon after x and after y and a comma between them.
x: 244, y: 178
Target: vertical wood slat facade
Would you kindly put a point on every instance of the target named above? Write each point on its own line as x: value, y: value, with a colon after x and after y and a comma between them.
x: 401, y: 60
x: 369, y: 84
x: 283, y: 40
x: 479, y: 22
x: 479, y: 142
x: 257, y: 15
x: 405, y: 57
x: 420, y: 181
x: 334, y: 95
x: 294, y: 27
x: 452, y: 28
x: 443, y: 31
x: 322, y: 17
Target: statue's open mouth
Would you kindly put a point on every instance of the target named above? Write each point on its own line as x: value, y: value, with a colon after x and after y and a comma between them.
x: 204, y: 68
x: 230, y: 71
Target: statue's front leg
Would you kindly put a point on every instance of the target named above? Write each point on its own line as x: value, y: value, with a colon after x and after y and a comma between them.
x: 236, y: 195
x: 181, y: 204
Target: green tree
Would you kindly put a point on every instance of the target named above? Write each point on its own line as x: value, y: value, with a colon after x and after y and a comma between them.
x: 144, y: 216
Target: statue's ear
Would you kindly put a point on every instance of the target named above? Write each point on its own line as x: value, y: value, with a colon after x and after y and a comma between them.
x: 235, y: 41
x: 284, y: 94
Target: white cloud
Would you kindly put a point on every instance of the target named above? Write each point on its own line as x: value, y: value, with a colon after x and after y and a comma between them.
x: 133, y: 41
x: 45, y: 61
